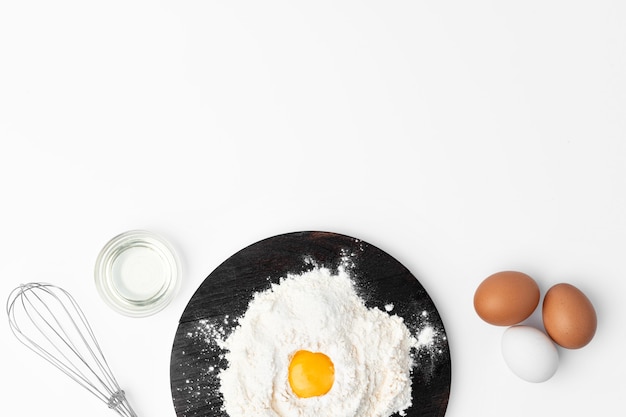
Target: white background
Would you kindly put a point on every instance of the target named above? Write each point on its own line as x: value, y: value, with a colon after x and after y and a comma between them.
x: 461, y: 137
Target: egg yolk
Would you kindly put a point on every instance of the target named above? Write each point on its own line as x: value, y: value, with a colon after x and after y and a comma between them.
x: 311, y: 374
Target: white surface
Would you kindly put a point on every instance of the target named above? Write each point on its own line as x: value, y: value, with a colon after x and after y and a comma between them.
x: 462, y: 138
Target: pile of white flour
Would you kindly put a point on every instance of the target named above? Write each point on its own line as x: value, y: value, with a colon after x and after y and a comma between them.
x: 319, y: 312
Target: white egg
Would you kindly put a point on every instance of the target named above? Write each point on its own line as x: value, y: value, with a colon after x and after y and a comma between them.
x: 529, y: 353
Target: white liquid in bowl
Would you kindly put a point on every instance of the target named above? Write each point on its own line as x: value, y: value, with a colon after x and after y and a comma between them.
x: 139, y: 273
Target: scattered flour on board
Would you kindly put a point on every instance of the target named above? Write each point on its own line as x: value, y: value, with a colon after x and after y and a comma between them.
x: 374, y: 352
x: 319, y: 312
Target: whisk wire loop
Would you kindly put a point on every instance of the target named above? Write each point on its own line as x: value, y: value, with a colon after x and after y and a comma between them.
x: 66, y: 366
x: 48, y: 321
x: 48, y: 331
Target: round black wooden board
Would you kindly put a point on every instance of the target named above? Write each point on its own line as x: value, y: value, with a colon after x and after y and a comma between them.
x: 224, y: 295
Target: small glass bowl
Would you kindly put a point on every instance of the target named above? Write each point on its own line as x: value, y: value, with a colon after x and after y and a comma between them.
x: 137, y: 273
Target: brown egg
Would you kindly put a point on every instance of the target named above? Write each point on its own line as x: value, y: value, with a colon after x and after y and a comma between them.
x: 568, y: 316
x: 506, y: 298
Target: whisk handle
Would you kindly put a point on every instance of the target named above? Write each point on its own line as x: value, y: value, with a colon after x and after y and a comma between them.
x: 117, y: 402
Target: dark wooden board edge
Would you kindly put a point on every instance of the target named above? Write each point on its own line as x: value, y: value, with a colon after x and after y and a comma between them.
x: 227, y: 291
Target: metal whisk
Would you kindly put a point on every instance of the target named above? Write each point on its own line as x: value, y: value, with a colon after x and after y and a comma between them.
x: 48, y: 321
